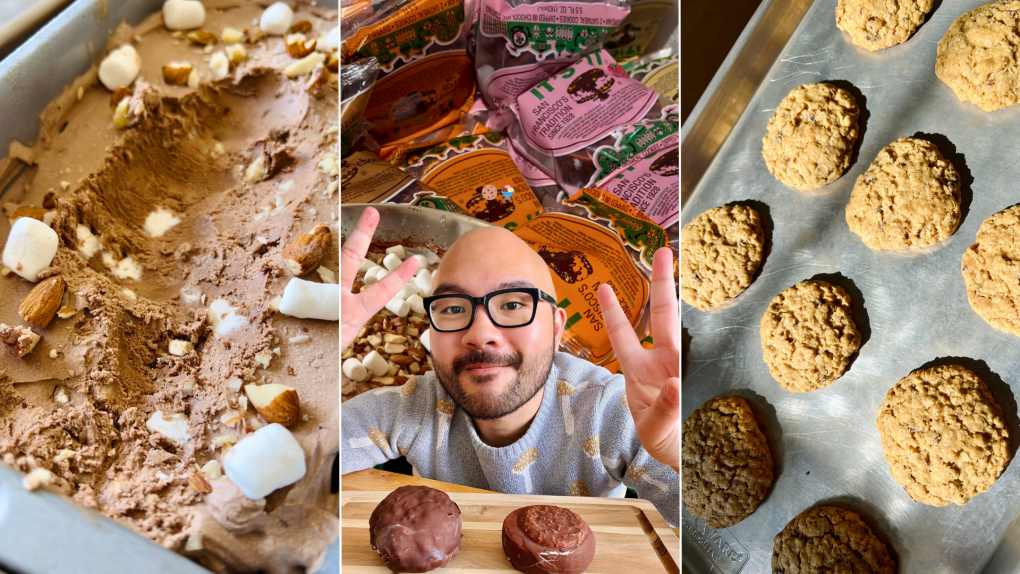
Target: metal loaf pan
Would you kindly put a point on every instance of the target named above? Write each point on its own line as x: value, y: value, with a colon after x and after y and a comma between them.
x: 911, y: 306
x: 42, y: 532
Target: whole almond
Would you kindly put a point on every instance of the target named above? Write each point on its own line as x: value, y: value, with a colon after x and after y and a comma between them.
x: 305, y: 252
x: 275, y: 402
x: 202, y: 37
x: 402, y: 360
x: 41, y: 304
x: 176, y: 73
x: 198, y: 483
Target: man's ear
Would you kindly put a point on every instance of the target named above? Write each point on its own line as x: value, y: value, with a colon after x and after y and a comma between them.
x: 559, y: 324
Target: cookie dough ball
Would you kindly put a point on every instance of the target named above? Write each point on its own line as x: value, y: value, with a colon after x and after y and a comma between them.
x: 829, y: 539
x: 727, y: 465
x: 978, y: 56
x: 719, y: 252
x: 811, y: 136
x: 909, y: 197
x: 990, y: 269
x: 879, y: 24
x: 416, y: 529
x: 808, y: 334
x: 546, y: 539
x: 943, y: 435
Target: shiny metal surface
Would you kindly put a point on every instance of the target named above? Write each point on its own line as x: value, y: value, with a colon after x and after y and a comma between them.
x: 911, y: 307
x: 410, y: 224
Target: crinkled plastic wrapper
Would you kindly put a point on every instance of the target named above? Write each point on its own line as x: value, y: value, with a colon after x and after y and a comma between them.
x: 477, y: 173
x: 594, y: 126
x: 366, y: 179
x: 582, y: 255
x: 356, y: 81
x: 522, y: 42
x: 426, y: 78
x: 630, y: 39
x: 659, y: 74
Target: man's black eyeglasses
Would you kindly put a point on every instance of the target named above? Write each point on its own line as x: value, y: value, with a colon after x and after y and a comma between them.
x: 507, y: 308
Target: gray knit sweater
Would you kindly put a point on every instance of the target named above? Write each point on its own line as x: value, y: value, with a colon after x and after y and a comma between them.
x: 582, y: 441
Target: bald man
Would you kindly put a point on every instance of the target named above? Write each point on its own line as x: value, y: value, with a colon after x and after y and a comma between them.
x: 504, y: 410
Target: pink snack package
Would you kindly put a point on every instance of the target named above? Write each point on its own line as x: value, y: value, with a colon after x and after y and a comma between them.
x: 522, y: 42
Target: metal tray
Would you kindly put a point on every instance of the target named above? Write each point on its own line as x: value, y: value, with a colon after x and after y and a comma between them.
x: 911, y: 306
x: 43, y: 532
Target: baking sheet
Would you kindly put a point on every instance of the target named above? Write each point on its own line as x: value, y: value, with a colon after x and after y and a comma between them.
x: 910, y: 306
x: 42, y: 532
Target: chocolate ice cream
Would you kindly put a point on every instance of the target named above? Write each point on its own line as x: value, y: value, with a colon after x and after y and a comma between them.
x: 171, y: 233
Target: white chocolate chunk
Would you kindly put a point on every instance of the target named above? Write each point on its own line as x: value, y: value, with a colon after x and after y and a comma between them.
x: 159, y: 222
x: 265, y: 460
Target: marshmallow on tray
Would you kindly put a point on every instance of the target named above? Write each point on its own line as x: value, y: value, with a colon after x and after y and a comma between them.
x: 423, y: 281
x: 30, y: 248
x: 265, y: 460
x: 397, y: 250
x: 309, y: 300
x: 391, y: 261
x: 416, y: 304
x: 366, y: 264
x: 407, y: 290
x: 183, y: 14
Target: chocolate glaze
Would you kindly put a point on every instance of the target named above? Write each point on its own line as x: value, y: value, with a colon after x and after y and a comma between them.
x: 547, y: 540
x: 416, y: 529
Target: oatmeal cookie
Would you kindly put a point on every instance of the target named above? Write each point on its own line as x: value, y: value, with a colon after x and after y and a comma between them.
x: 829, y: 539
x: 719, y: 251
x: 811, y: 136
x: 727, y: 465
x: 808, y: 334
x: 909, y: 197
x: 979, y: 57
x: 879, y: 24
x: 943, y: 435
x: 990, y: 269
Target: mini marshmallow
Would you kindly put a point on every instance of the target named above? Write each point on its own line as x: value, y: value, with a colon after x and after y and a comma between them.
x: 354, y: 370
x: 424, y: 284
x: 397, y: 250
x: 183, y: 14
x: 423, y: 272
x: 391, y: 261
x: 175, y: 428
x: 308, y: 300
x: 333, y: 39
x: 407, y: 290
x: 424, y: 338
x: 398, y: 307
x: 376, y: 364
x: 382, y: 273
x: 276, y: 20
x: 366, y: 264
x: 423, y: 262
x: 416, y: 304
x: 372, y: 275
x: 265, y: 460
x: 120, y: 68
x: 30, y: 248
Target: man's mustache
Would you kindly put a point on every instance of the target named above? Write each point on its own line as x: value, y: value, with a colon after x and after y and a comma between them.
x: 481, y: 356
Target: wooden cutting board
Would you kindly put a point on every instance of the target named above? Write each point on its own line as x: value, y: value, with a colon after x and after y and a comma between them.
x: 631, y: 536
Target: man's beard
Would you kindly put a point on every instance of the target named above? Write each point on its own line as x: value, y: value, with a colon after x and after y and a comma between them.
x: 531, y: 377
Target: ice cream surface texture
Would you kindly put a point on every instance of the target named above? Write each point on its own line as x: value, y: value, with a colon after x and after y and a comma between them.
x: 173, y: 201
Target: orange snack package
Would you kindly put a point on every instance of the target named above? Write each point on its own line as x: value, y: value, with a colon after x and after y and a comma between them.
x: 477, y: 173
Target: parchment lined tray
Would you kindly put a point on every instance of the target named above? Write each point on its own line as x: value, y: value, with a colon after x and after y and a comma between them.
x: 911, y: 306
